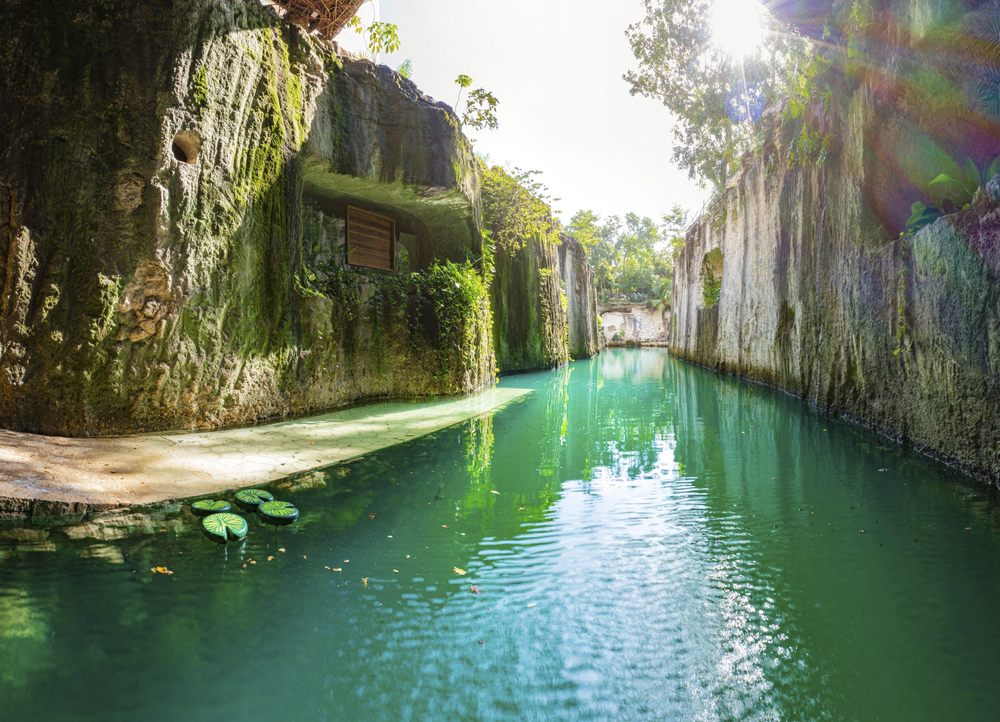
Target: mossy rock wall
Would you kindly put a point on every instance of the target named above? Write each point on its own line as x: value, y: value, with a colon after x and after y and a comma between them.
x: 820, y: 296
x: 529, y: 320
x: 583, y: 337
x: 154, y: 160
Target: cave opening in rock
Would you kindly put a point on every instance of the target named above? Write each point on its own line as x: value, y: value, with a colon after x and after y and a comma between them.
x: 186, y: 146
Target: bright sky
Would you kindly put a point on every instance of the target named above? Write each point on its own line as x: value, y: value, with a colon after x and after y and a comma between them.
x: 556, y: 67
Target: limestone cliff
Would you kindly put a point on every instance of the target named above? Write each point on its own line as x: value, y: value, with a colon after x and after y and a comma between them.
x: 529, y: 320
x: 583, y: 337
x: 798, y: 277
x: 172, y: 175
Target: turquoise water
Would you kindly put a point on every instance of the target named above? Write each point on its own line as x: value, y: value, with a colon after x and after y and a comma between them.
x: 663, y: 544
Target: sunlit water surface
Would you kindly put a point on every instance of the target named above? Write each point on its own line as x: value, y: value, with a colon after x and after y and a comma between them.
x: 640, y: 540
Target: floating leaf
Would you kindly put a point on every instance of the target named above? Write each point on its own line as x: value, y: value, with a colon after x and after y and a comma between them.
x: 250, y: 499
x: 224, y: 527
x: 475, y: 589
x: 460, y: 572
x: 161, y: 570
x: 494, y: 491
x: 277, y: 512
x: 204, y: 507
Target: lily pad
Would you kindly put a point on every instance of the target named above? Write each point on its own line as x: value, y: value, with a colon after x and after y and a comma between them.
x: 204, y: 507
x: 222, y: 528
x: 250, y: 499
x: 278, y: 512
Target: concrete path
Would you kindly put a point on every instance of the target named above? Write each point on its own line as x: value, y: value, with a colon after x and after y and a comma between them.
x: 47, y: 475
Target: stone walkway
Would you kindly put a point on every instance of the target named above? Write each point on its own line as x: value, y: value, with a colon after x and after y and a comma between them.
x: 52, y: 476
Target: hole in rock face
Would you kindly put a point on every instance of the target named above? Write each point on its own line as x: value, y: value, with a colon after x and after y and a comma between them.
x: 186, y: 146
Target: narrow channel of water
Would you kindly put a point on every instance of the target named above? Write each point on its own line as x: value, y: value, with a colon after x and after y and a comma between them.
x: 639, y: 539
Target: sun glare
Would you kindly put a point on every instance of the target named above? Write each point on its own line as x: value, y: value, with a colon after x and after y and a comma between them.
x: 737, y: 27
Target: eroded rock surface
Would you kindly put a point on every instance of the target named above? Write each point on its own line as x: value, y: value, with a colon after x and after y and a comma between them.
x: 817, y: 293
x: 160, y: 160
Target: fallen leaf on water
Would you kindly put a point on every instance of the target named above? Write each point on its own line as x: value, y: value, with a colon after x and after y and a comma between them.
x: 270, y: 559
x: 244, y: 566
x: 372, y: 516
x: 532, y: 604
x: 460, y: 572
x: 494, y: 491
x: 475, y: 589
x: 364, y: 580
x: 303, y: 556
x: 444, y: 526
x: 162, y: 570
x: 336, y: 569
x: 326, y: 567
x: 252, y: 561
x: 407, y: 556
x: 346, y: 560
x: 395, y: 571
x: 282, y: 549
x: 482, y: 641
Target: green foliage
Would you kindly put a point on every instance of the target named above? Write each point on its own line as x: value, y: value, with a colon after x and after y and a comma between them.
x: 711, y: 278
x: 716, y: 101
x: 463, y: 82
x: 200, y: 88
x: 515, y: 207
x: 406, y: 69
x: 250, y: 499
x: 458, y: 293
x: 225, y: 527
x: 277, y: 513
x: 711, y: 290
x: 382, y: 37
x: 480, y: 107
x: 920, y: 216
x: 481, y: 110
x: 958, y: 188
x: 204, y: 507
x: 633, y: 258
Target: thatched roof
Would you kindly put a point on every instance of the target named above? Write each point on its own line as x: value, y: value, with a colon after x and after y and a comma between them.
x: 325, y: 17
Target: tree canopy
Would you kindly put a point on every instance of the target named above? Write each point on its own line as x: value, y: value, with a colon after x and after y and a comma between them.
x: 631, y: 258
x: 716, y: 100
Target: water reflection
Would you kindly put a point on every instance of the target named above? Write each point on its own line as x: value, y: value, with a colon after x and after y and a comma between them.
x: 638, y: 539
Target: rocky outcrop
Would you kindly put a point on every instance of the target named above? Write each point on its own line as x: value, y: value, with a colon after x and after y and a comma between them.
x: 577, y: 276
x: 170, y: 174
x: 529, y: 319
x: 638, y: 324
x: 798, y: 277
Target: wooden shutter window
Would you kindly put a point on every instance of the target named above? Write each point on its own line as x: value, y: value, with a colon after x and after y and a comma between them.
x: 371, y: 240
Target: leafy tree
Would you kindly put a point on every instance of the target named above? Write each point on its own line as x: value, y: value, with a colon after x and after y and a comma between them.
x: 382, y: 37
x: 716, y: 100
x: 515, y: 207
x: 463, y: 82
x: 480, y: 107
x: 481, y: 110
